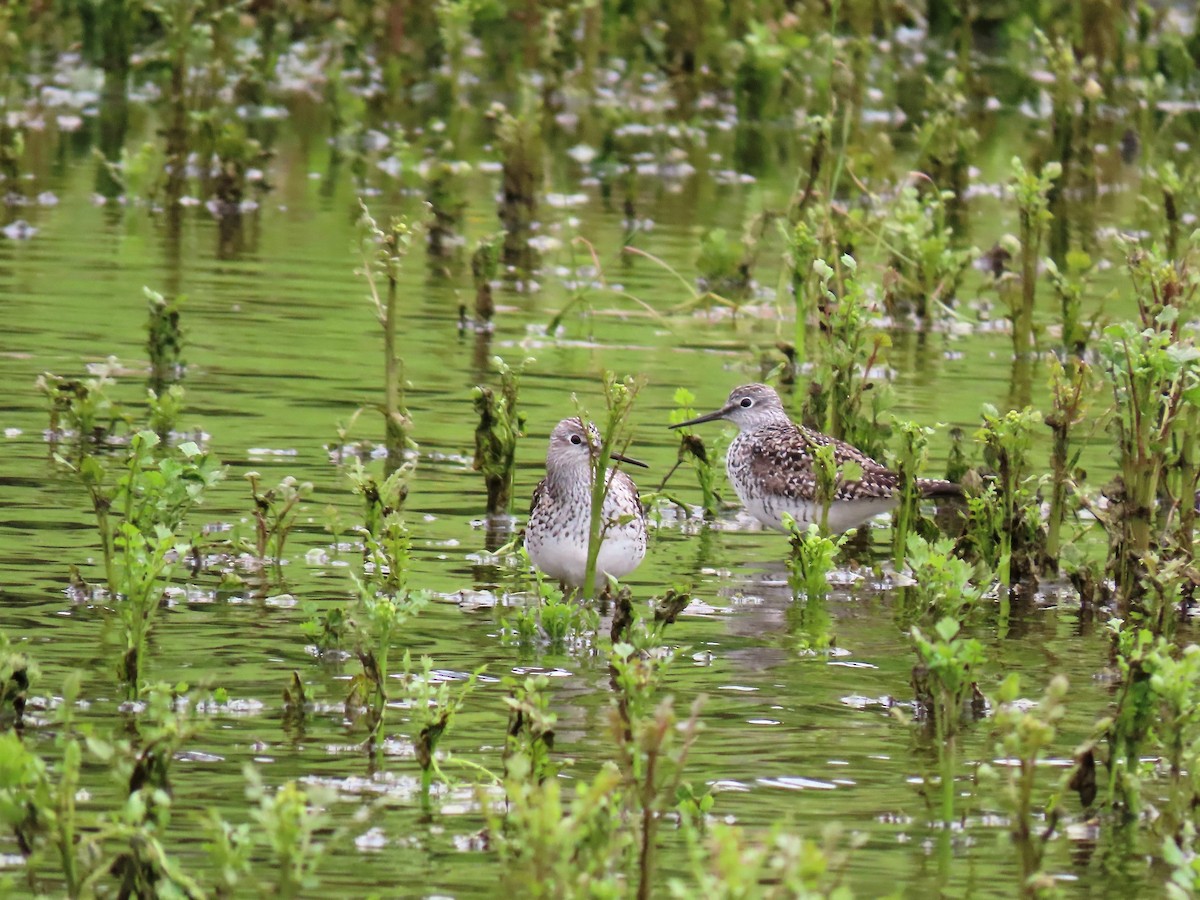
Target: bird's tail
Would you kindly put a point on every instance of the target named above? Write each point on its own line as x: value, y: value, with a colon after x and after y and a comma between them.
x: 935, y: 487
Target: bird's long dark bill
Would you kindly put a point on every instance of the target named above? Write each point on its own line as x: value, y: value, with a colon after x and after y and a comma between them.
x: 707, y: 417
x: 620, y: 457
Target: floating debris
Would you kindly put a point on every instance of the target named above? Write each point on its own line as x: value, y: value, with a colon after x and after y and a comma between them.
x: 20, y: 230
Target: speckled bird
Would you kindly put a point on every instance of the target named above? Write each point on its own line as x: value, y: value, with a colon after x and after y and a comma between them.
x: 560, y: 515
x: 770, y: 465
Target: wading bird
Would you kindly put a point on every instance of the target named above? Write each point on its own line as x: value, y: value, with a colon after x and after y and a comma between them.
x: 770, y: 465
x: 560, y: 515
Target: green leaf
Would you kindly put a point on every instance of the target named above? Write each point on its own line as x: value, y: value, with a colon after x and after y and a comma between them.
x: 851, y: 471
x: 1009, y: 689
x: 946, y: 629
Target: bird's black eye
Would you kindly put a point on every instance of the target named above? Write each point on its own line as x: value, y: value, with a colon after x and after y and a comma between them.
x: 576, y: 439
x: 747, y: 403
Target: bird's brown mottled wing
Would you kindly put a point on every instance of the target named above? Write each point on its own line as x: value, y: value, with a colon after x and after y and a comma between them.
x: 782, y: 465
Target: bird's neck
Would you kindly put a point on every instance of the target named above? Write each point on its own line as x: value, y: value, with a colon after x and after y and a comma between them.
x: 772, y: 419
x: 568, y: 478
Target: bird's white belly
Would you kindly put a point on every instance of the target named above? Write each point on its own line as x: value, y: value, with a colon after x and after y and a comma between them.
x: 564, y: 557
x: 843, y: 514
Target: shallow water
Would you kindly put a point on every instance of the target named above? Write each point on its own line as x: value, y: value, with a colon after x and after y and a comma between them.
x: 281, y: 346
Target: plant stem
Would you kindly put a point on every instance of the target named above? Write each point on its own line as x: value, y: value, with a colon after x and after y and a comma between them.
x: 395, y: 437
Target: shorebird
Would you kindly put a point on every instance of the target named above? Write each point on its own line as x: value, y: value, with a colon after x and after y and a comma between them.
x: 770, y: 465
x: 560, y: 514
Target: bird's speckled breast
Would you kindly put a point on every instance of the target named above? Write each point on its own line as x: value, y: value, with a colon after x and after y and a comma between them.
x: 557, y: 536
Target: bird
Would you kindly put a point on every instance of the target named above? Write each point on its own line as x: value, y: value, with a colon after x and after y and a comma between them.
x: 556, y: 537
x: 770, y: 465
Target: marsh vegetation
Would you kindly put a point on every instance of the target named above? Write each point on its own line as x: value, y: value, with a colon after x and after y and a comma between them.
x: 293, y: 294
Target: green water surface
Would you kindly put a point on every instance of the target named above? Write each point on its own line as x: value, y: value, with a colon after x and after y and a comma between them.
x: 281, y: 347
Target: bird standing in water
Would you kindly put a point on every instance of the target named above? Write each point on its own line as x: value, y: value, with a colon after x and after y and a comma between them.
x: 560, y: 515
x: 770, y: 464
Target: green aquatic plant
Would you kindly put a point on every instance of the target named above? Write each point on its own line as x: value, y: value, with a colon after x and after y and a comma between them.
x: 619, y: 397
x: 376, y: 625
x: 1004, y: 527
x: 17, y: 673
x: 828, y: 477
x: 1024, y: 735
x: 689, y: 50
x: 550, y: 618
x: 801, y: 251
x: 1180, y: 855
x: 909, y: 463
x: 1154, y: 375
x: 297, y: 702
x: 84, y: 411
x: 230, y: 851
x: 485, y: 264
x: 944, y: 679
x: 163, y: 412
x: 133, y: 836
x: 1183, y: 476
x: 382, y: 253
x: 1070, y: 285
x: 454, y: 21
x: 288, y: 821
x: 926, y: 265
x: 275, y: 512
x: 653, y: 763
x: 519, y: 140
x: 383, y: 602
x: 1072, y: 118
x: 1030, y: 191
x: 943, y: 584
x: 500, y: 426
x: 91, y: 849
x: 165, y: 340
x: 1175, y: 681
x: 381, y: 499
x: 387, y: 556
x: 735, y: 861
x: 760, y: 59
x: 446, y: 197
x: 803, y: 242
x: 38, y: 804
x: 692, y: 450
x: 1155, y: 715
x: 723, y: 267
x: 236, y: 154
x: 1134, y: 714
x: 652, y: 744
x: 529, y: 737
x: 551, y: 845
x: 845, y: 400
x: 206, y: 108
x: 327, y: 629
x: 139, y: 510
x: 284, y: 827
x: 1070, y: 385
x: 1178, y: 190
x: 432, y: 709
x: 813, y: 556
x: 946, y: 138
x: 185, y: 39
